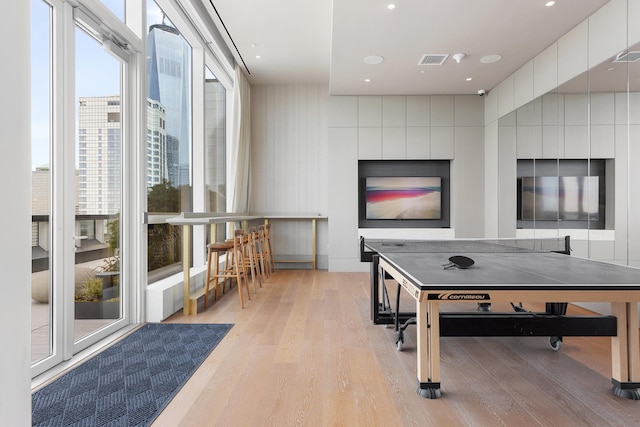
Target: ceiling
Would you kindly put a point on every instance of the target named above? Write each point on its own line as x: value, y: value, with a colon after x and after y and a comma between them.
x: 325, y: 41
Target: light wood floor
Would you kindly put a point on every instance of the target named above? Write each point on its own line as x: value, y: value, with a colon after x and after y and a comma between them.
x: 305, y: 353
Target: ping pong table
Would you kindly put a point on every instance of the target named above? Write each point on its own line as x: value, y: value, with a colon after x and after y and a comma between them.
x: 506, y: 270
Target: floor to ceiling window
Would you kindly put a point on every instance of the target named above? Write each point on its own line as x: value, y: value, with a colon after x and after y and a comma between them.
x: 79, y: 293
x: 41, y: 320
x: 98, y: 290
x: 215, y: 147
x: 116, y: 6
x: 168, y: 138
x: 88, y: 266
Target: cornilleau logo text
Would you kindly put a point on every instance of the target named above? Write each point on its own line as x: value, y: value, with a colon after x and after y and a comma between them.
x: 459, y: 297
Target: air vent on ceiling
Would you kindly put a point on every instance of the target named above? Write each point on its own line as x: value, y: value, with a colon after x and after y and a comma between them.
x: 632, y: 56
x: 433, y: 59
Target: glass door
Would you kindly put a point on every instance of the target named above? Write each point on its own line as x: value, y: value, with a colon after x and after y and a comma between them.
x: 79, y: 294
x: 97, y: 185
x: 41, y: 132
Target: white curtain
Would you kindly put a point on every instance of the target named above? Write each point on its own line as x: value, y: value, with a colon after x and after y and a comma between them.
x: 240, y: 156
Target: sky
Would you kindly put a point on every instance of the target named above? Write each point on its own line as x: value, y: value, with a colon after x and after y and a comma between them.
x: 97, y: 71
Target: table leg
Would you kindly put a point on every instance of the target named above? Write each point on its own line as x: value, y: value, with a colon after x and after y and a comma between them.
x: 625, y: 351
x: 428, y: 348
x: 186, y: 267
x: 313, y: 244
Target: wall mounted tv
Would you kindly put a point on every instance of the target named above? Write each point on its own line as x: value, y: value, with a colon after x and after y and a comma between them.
x: 565, y: 198
x: 403, y: 197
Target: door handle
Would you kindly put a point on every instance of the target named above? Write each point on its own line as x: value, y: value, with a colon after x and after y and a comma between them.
x: 78, y: 241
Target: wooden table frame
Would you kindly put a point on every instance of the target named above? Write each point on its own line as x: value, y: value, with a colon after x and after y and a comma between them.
x: 625, y: 345
x: 310, y: 217
x: 189, y: 219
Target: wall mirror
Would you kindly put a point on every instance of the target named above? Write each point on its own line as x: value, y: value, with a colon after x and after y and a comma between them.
x: 569, y: 160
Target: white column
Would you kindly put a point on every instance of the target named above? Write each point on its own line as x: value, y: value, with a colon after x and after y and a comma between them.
x: 15, y: 191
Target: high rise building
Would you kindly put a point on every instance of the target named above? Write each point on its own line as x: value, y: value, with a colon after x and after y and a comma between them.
x: 99, y: 158
x: 157, y: 159
x: 169, y: 80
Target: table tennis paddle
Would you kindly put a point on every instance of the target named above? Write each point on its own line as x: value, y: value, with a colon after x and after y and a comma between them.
x: 459, y: 261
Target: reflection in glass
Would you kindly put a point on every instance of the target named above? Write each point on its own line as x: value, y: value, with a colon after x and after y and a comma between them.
x: 41, y: 313
x: 168, y: 138
x: 214, y: 146
x: 115, y: 6
x: 564, y: 198
x: 98, y: 181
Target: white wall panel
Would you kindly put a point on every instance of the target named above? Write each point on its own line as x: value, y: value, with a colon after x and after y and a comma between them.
x: 622, y: 112
x: 394, y: 143
x: 529, y: 142
x: 602, y: 108
x: 506, y: 102
x: 461, y: 121
x: 418, y: 143
x: 490, y: 106
x: 608, y: 31
x: 545, y: 66
x: 369, y: 111
x: 442, y: 142
x: 573, y: 53
x: 370, y: 143
x: 491, y: 179
x: 523, y: 84
x: 620, y: 191
x: 530, y: 114
x: 468, y: 197
x: 442, y: 113
x: 394, y: 111
x: 602, y: 141
x: 633, y: 12
x: 634, y: 195
x: 343, y: 111
x: 552, y: 141
x: 576, y: 109
x: 289, y: 158
x: 468, y: 110
x: 576, y: 142
x: 552, y: 109
x: 418, y: 111
x: 343, y: 200
x: 634, y: 108
x: 507, y: 181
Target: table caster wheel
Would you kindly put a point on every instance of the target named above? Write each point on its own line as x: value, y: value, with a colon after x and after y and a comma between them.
x: 555, y: 343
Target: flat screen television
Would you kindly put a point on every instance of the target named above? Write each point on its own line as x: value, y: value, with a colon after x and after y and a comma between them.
x: 566, y: 198
x: 398, y: 197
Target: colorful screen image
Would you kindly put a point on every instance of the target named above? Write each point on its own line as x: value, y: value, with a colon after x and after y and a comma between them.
x: 567, y: 198
x: 415, y: 197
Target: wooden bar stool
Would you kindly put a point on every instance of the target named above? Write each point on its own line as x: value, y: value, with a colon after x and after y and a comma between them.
x: 234, y: 268
x: 267, y: 238
x: 249, y: 260
x: 252, y: 256
x: 214, y: 251
x: 263, y: 251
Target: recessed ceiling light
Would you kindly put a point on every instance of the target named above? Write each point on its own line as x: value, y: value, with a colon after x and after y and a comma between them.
x: 367, y: 80
x: 422, y: 71
x: 258, y: 56
x: 550, y: 3
x: 391, y: 6
x: 490, y: 59
x: 373, y: 59
x: 610, y: 69
x: 469, y: 79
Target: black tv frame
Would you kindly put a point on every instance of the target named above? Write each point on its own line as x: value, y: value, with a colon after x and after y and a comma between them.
x: 404, y: 168
x: 562, y: 167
